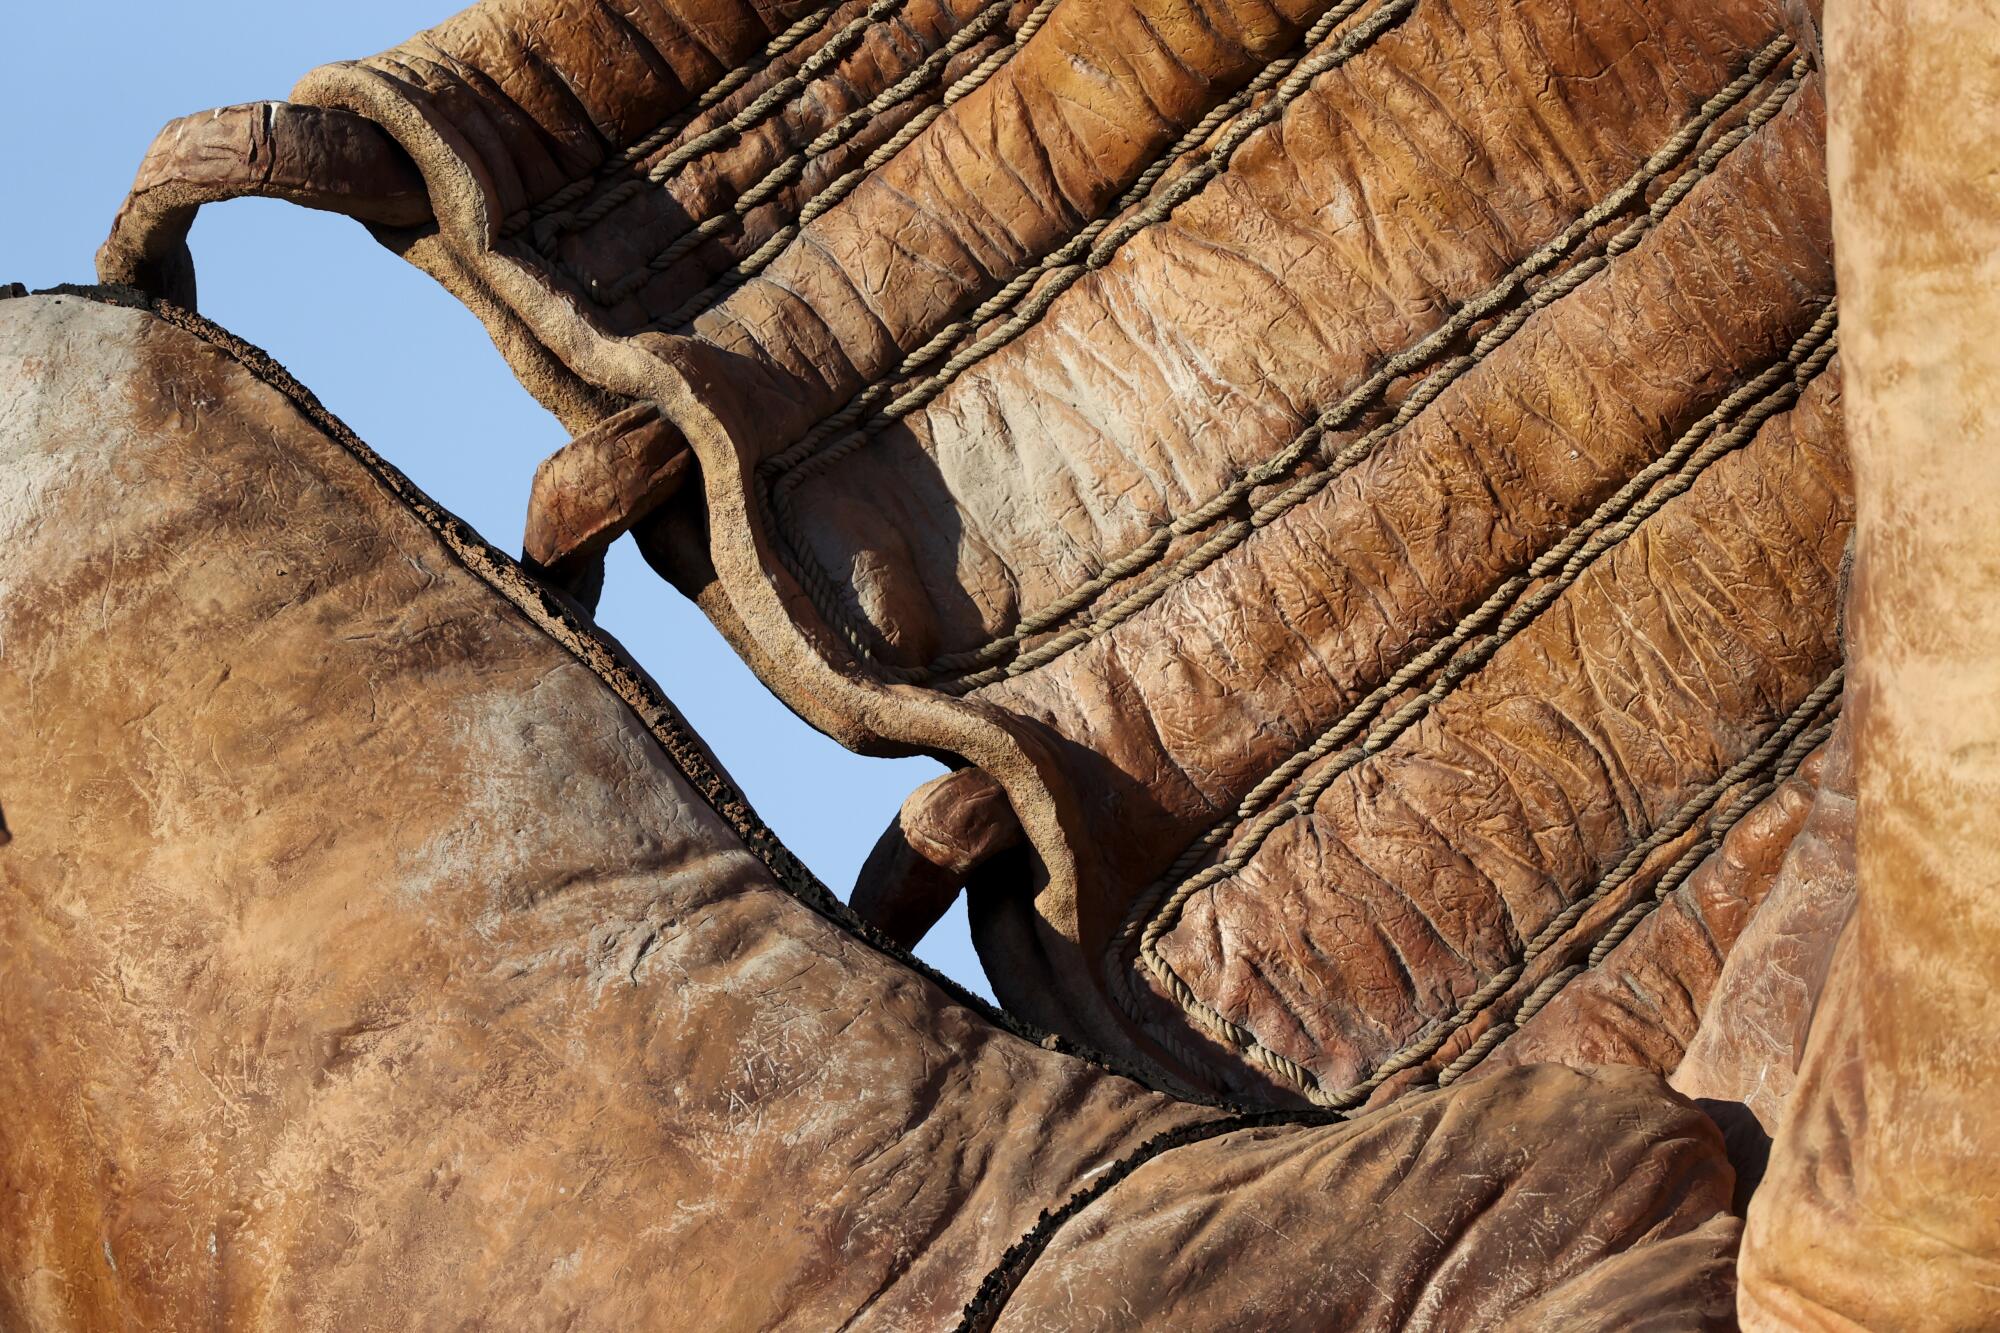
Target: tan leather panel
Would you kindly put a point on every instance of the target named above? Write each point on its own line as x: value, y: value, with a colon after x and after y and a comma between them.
x: 1002, y: 180
x: 377, y: 957
x: 380, y: 951
x: 1661, y: 993
x: 1386, y: 196
x: 1242, y: 664
x: 1882, y: 1204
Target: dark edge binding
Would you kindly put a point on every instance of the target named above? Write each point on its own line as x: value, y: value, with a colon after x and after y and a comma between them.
x: 988, y: 1302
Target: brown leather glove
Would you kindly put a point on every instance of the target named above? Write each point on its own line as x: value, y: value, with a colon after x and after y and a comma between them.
x: 1364, y: 479
x: 1365, y: 482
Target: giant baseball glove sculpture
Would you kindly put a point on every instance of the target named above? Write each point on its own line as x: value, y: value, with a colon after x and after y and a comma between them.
x: 1360, y: 493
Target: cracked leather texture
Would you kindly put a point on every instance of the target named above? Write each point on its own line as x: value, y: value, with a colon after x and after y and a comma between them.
x: 1725, y: 963
x: 381, y: 951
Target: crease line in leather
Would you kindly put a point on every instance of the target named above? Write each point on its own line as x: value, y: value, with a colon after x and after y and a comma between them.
x: 1156, y: 910
x: 1787, y: 766
x: 1781, y: 740
x: 1608, y: 526
x: 908, y: 88
x: 1010, y: 293
x: 1573, y: 549
x: 775, y: 474
x: 982, y: 1313
x: 1719, y: 823
x: 1412, y: 359
x: 766, y: 106
x: 1354, y: 405
x: 632, y: 155
x: 837, y: 190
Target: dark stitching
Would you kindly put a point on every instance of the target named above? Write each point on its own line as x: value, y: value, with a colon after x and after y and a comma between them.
x: 1152, y: 912
x: 1309, y: 485
x: 983, y: 1311
x: 1721, y: 820
x: 912, y: 87
x: 1092, y: 247
x: 767, y: 105
x: 631, y: 156
x: 785, y: 471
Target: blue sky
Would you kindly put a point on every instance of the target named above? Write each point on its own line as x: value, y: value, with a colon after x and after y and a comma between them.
x: 383, y: 347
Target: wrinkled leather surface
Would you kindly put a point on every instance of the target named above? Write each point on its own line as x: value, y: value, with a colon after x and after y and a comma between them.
x: 380, y: 951
x: 1714, y: 965
x: 1428, y: 886
x: 1468, y: 1183
x: 312, y: 156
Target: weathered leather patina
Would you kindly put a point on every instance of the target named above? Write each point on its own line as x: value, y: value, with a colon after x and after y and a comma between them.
x: 1465, y: 790
x: 1365, y: 480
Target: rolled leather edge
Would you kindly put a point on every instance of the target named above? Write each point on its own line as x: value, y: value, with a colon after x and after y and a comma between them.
x: 945, y: 831
x: 573, y: 366
x: 594, y: 489
x: 584, y: 375
x: 316, y: 157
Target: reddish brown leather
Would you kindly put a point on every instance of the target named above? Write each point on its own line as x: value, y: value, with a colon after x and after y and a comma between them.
x: 591, y: 491
x: 380, y: 951
x: 1412, y: 177
x: 1675, y: 995
x: 307, y: 155
x: 946, y: 831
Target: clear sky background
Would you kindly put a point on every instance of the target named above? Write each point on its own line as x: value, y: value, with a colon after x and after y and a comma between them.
x: 86, y: 87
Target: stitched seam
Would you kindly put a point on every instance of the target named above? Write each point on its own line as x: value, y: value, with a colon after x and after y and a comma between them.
x: 1411, y: 359
x: 1787, y: 765
x: 838, y: 189
x: 1152, y: 916
x: 1614, y: 519
x: 1091, y: 247
x: 776, y: 474
x: 1720, y: 821
x: 908, y: 88
x: 767, y: 105
x: 1422, y: 1048
x: 989, y: 1300
x: 635, y: 153
x: 1580, y: 548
